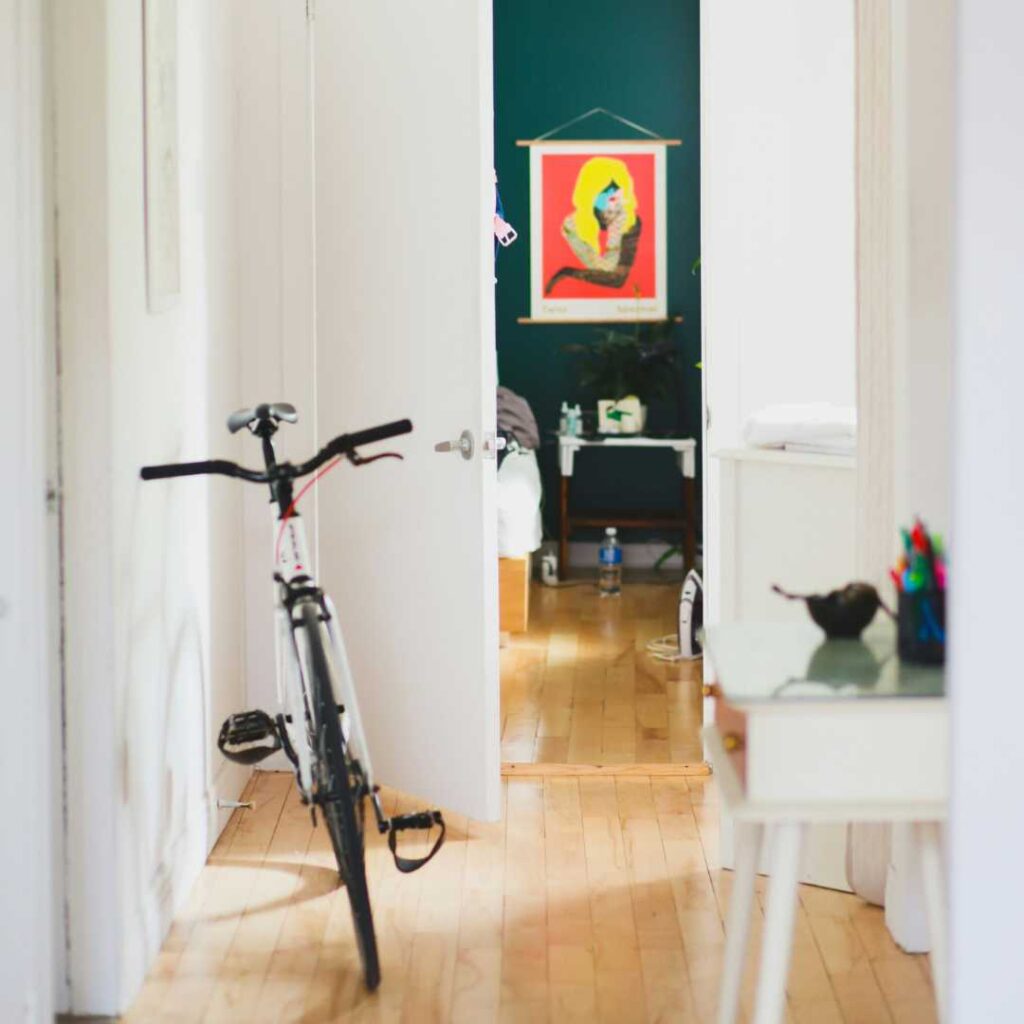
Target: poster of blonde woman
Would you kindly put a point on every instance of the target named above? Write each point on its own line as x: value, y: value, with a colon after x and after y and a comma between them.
x: 597, y: 217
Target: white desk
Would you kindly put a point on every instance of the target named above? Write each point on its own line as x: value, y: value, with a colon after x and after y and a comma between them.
x: 685, y: 450
x: 810, y: 731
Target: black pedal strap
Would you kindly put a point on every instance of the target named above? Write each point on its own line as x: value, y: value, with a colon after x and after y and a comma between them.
x: 423, y: 820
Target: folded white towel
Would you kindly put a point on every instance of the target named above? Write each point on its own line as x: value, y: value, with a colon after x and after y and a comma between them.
x: 814, y: 426
x: 823, y: 447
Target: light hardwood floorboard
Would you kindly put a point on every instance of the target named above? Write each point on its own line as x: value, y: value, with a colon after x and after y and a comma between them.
x: 544, y: 769
x: 580, y: 688
x: 595, y: 898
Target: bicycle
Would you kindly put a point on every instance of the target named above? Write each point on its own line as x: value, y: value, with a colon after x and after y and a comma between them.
x: 321, y: 737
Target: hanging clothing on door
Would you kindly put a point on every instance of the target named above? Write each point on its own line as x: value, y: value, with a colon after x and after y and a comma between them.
x: 516, y: 417
x: 504, y: 233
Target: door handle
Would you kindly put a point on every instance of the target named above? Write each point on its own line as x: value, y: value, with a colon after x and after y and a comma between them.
x: 463, y: 444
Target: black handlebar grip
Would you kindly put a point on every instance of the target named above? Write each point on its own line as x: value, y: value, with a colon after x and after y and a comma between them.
x: 188, y: 469
x: 385, y: 430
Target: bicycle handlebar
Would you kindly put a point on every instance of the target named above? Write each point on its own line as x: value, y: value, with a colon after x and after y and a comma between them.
x: 381, y: 433
x: 222, y: 466
x: 343, y: 444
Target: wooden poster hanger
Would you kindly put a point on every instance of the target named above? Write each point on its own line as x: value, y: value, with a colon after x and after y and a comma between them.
x: 652, y: 136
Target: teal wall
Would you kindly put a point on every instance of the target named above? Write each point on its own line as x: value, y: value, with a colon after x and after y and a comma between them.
x: 553, y: 61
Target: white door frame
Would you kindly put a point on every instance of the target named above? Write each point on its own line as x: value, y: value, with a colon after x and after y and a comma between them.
x: 29, y: 962
x: 904, y: 324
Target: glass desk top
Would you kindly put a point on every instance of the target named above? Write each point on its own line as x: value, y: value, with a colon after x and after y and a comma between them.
x: 757, y: 662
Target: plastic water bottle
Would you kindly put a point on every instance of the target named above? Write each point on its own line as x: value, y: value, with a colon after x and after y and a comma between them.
x: 572, y: 422
x: 610, y: 555
x: 577, y: 421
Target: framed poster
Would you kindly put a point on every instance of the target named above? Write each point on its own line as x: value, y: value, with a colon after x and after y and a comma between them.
x: 597, y: 238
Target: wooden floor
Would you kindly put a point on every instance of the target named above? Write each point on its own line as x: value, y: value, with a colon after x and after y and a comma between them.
x: 580, y: 687
x: 595, y: 899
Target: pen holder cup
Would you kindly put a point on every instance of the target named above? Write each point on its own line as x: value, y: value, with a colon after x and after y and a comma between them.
x: 921, y: 629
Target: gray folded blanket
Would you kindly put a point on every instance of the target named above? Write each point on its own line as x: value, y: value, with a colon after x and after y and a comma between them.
x: 516, y: 417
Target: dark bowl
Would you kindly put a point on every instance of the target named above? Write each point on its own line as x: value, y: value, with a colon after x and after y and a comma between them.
x: 844, y: 614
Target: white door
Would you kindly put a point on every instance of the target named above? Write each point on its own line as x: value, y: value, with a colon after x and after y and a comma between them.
x: 405, y: 322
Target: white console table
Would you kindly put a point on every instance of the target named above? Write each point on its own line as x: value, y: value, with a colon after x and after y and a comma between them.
x: 808, y: 730
x: 685, y: 450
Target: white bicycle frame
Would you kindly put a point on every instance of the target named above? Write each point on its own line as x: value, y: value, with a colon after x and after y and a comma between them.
x: 292, y: 565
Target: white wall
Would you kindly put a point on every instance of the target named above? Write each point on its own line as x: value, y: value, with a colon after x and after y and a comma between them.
x: 28, y: 945
x: 923, y: 159
x: 987, y: 826
x: 777, y: 179
x: 275, y: 282
x: 777, y: 224
x: 154, y: 625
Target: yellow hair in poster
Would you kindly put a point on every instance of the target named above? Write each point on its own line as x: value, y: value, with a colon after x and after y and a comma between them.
x: 594, y: 178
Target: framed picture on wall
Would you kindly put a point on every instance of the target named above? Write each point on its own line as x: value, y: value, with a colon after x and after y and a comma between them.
x: 597, y: 219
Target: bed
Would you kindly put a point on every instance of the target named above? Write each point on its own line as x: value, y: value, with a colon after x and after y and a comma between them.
x: 519, y: 535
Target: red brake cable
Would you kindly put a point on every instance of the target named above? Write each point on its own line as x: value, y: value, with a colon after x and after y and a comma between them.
x: 290, y: 510
x: 354, y: 458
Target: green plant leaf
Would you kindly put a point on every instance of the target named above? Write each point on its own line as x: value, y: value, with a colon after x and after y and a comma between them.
x: 618, y: 364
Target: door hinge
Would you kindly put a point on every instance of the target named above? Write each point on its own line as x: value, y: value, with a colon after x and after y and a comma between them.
x: 310, y: 10
x: 492, y: 444
x: 53, y: 498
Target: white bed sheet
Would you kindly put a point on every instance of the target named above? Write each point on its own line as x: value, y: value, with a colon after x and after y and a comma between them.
x: 519, y: 497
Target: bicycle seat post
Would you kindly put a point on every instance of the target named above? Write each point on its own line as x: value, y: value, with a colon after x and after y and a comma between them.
x: 265, y: 429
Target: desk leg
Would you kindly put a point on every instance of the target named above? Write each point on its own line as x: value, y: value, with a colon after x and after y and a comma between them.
x: 747, y: 839
x: 787, y: 842
x: 929, y: 840
x: 563, y: 539
x: 690, y: 529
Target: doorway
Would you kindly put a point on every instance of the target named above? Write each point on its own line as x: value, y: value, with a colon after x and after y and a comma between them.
x: 580, y: 688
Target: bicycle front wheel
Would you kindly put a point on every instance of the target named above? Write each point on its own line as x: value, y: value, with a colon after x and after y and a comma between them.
x: 340, y: 785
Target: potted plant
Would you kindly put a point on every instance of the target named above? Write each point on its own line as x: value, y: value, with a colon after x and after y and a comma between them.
x: 627, y: 369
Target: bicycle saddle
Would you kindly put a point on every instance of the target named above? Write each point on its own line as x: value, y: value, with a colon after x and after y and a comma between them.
x: 276, y: 411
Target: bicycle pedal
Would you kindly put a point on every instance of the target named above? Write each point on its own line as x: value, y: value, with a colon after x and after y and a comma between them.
x: 242, y: 737
x: 421, y: 820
